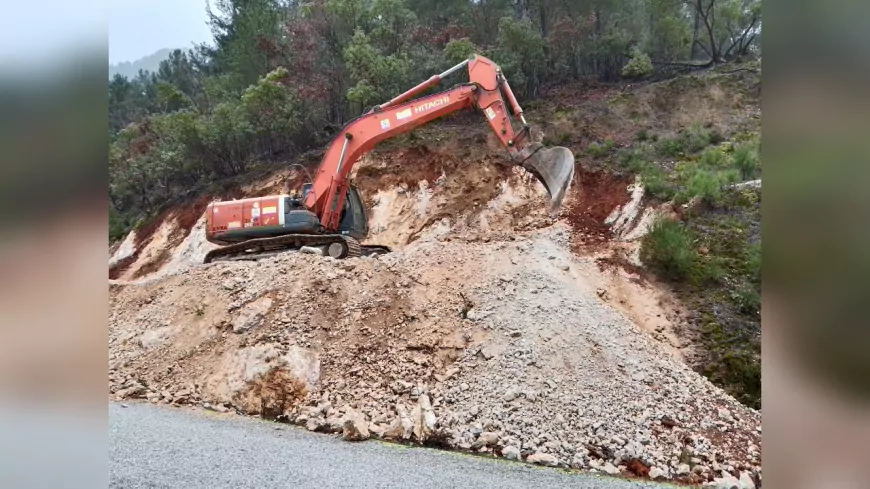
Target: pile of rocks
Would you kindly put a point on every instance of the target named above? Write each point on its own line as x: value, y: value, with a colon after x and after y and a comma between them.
x: 493, y: 346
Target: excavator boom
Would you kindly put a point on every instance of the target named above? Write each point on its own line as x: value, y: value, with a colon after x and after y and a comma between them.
x: 554, y: 167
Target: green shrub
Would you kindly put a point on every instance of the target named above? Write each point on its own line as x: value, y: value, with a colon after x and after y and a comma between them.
x: 729, y: 176
x: 671, y: 147
x: 708, y: 184
x: 704, y: 184
x: 738, y: 371
x: 118, y: 226
x: 708, y: 269
x: 667, y: 249
x: 697, y: 138
x: 655, y: 182
x: 639, y: 66
x: 633, y: 159
x: 753, y: 263
x: 747, y: 298
x: 598, y: 150
x: 458, y: 50
x: 714, y: 158
x: 560, y: 139
x: 746, y: 161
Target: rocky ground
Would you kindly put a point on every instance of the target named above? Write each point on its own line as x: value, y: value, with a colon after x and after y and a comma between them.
x: 499, y: 345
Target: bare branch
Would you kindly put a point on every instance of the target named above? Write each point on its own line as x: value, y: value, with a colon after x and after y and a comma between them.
x: 699, y: 43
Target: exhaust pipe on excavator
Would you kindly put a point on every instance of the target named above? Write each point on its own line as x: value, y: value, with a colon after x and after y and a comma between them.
x: 554, y: 168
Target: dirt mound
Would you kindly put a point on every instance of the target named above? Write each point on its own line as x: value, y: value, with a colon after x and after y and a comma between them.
x: 505, y: 340
x: 454, y: 197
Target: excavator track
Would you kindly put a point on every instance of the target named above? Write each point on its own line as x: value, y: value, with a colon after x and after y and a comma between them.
x: 353, y: 247
x: 334, y: 245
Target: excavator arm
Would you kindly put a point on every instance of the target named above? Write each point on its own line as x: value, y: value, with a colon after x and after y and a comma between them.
x: 554, y: 167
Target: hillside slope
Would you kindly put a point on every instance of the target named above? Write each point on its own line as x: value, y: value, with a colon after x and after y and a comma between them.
x: 494, y: 327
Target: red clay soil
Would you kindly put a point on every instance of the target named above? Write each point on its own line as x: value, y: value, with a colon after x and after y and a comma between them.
x: 186, y: 216
x: 617, y: 262
x: 638, y: 468
x: 144, y: 233
x: 406, y: 166
x: 595, y: 196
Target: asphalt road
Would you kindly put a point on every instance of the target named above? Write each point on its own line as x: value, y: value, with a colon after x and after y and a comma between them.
x: 151, y: 446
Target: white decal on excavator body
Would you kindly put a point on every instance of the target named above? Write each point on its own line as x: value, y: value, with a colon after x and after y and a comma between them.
x: 432, y: 104
x: 385, y: 124
x: 403, y: 114
x: 490, y: 113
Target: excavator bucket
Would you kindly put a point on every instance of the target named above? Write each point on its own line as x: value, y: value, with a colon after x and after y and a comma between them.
x: 554, y: 167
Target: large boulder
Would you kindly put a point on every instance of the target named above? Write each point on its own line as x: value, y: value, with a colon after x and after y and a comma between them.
x: 356, y: 427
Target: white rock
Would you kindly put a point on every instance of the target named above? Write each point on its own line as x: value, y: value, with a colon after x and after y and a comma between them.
x: 335, y: 424
x: 489, y: 351
x: 355, y: 427
x: 610, y: 469
x: 511, y: 453
x: 405, y: 422
x: 727, y: 482
x: 486, y: 439
x: 656, y: 473
x: 423, y: 418
x: 746, y: 481
x: 476, y: 314
x: 314, y: 424
x: 251, y: 315
x: 154, y: 338
x: 542, y: 459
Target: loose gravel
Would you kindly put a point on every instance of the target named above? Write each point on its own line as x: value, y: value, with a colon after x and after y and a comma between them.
x: 498, y: 345
x: 156, y: 447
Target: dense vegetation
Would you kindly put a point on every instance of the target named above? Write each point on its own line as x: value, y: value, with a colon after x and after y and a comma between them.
x: 281, y: 75
x: 713, y: 254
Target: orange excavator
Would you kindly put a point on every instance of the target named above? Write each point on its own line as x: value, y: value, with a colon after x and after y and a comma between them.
x: 330, y: 217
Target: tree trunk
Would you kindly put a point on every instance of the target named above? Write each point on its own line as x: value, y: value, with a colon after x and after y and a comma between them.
x: 543, y: 9
x: 597, y: 58
x: 707, y: 16
x: 694, y: 53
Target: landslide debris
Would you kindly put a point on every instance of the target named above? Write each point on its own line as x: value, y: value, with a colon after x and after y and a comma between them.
x: 491, y: 346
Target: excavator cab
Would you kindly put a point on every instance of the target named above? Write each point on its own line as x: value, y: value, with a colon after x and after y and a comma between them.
x: 354, y: 221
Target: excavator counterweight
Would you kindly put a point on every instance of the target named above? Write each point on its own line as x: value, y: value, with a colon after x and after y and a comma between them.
x: 330, y: 215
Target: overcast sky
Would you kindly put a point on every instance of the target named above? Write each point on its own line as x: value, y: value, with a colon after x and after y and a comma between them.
x: 138, y: 28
